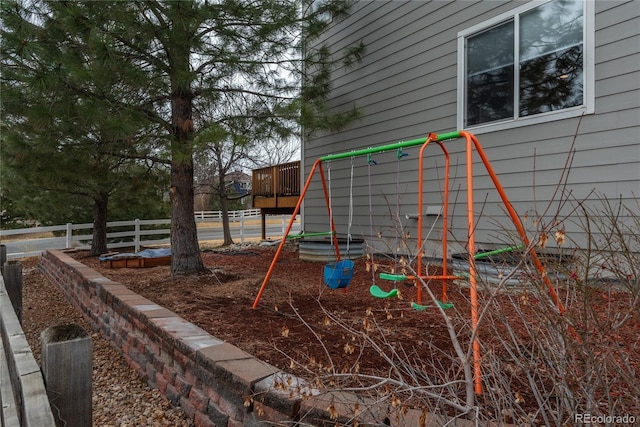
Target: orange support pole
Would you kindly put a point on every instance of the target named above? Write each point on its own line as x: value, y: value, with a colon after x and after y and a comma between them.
x: 316, y: 165
x: 420, y: 214
x: 445, y: 209
x: 471, y: 247
x: 516, y: 220
x: 329, y: 208
x: 286, y: 233
x: 420, y: 190
x: 445, y: 220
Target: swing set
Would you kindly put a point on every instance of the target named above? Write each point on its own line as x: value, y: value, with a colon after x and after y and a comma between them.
x: 338, y: 274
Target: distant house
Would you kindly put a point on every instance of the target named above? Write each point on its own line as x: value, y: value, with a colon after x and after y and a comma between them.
x: 240, y: 181
x: 238, y: 185
x: 524, y: 76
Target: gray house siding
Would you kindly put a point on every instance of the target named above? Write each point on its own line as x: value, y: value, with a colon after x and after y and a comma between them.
x: 406, y: 87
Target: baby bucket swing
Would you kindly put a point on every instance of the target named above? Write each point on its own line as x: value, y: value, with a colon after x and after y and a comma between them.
x: 338, y: 275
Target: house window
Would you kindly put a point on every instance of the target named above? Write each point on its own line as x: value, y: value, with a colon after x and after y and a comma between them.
x: 527, y: 66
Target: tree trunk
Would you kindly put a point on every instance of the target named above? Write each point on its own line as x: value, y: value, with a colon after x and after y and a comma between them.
x: 222, y: 195
x: 224, y: 207
x: 185, y: 251
x: 100, y: 210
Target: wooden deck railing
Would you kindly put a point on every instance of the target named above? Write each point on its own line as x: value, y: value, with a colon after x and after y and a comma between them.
x: 276, y: 186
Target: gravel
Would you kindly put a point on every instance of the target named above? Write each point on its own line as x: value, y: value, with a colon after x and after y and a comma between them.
x: 120, y: 397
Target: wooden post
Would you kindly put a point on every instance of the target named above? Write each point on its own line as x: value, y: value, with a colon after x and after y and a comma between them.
x: 136, y: 237
x: 67, y: 370
x: 69, y: 239
x: 241, y: 226
x: 274, y: 178
x: 3, y: 257
x: 13, y: 281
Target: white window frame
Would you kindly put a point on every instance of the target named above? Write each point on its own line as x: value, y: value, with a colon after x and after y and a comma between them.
x: 588, y: 38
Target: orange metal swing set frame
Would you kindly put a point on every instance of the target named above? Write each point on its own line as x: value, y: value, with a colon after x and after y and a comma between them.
x: 471, y: 143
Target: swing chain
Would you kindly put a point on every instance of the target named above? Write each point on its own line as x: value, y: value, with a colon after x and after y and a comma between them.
x: 370, y: 162
x: 350, y: 208
x: 330, y: 198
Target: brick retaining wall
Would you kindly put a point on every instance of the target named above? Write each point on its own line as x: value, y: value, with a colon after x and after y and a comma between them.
x: 214, y: 382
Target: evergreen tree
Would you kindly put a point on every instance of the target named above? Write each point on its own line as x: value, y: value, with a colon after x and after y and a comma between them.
x: 242, y: 60
x: 63, y: 143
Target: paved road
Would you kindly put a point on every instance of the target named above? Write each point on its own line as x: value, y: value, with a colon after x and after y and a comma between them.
x: 250, y: 232
x: 31, y: 247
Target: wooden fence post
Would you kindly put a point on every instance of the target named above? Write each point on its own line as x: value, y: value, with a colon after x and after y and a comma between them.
x: 3, y: 257
x: 242, y: 227
x: 67, y: 369
x: 136, y: 237
x: 69, y: 239
x: 13, y: 282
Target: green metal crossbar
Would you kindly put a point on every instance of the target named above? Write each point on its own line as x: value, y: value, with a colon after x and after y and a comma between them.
x: 497, y: 251
x: 393, y: 277
x: 443, y: 305
x: 389, y: 147
x: 319, y: 233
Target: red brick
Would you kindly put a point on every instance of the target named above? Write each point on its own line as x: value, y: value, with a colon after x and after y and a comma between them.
x: 212, y: 394
x: 161, y: 383
x: 233, y: 410
x: 169, y: 373
x: 126, y: 347
x: 199, y: 399
x: 141, y: 347
x: 182, y: 385
x: 265, y: 413
x: 191, y: 377
x: 235, y: 423
x: 172, y: 395
x: 187, y: 407
x: 202, y: 420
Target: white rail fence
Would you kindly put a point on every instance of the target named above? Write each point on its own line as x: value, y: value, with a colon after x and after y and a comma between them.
x: 245, y: 224
x: 233, y: 215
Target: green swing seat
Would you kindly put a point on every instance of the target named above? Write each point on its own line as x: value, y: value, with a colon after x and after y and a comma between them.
x: 379, y: 293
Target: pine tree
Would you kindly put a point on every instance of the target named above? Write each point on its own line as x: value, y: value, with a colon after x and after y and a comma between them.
x: 242, y: 60
x: 63, y: 143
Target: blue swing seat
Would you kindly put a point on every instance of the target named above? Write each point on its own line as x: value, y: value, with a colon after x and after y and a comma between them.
x: 338, y: 274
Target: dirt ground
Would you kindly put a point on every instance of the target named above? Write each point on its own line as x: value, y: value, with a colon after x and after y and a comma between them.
x: 297, y: 316
x: 304, y: 327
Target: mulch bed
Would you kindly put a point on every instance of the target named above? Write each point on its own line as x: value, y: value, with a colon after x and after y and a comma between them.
x: 305, y: 328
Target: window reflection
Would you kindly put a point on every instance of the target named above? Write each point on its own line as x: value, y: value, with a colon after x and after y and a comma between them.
x: 551, y: 82
x: 551, y: 57
x: 490, y: 87
x: 549, y: 64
